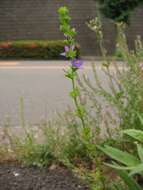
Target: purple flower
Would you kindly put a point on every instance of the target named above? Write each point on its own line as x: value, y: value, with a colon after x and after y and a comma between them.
x: 67, y: 49
x: 77, y: 63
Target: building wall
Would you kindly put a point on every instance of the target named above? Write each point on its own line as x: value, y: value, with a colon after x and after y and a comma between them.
x: 38, y: 19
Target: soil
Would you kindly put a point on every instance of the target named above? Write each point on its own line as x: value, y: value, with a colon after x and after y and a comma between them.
x: 17, y: 177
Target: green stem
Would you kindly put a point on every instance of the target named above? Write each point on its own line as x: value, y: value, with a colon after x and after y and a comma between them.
x: 77, y: 104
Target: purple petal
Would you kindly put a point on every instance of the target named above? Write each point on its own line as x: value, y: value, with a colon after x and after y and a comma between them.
x: 77, y: 63
x: 67, y: 48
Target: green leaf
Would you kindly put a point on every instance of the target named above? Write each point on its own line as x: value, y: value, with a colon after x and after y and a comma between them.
x: 120, y: 156
x: 140, y: 116
x: 116, y: 186
x: 140, y: 151
x: 136, y: 134
x: 70, y: 74
x: 80, y: 111
x: 65, y: 28
x: 117, y: 167
x: 119, y: 94
x: 75, y: 93
x: 71, y: 54
x: 129, y: 181
x: 137, y: 170
x: 63, y: 10
x: 87, y: 135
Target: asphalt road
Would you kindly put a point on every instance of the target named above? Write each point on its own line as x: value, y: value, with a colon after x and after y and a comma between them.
x: 42, y: 85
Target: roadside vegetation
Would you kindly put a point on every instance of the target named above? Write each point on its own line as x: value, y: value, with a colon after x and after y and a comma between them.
x: 101, y: 140
x: 33, y: 49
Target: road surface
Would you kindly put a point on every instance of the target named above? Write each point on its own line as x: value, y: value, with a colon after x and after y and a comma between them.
x: 42, y: 85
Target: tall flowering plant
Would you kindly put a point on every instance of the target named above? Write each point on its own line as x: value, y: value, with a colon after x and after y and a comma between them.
x: 72, y: 73
x: 75, y: 63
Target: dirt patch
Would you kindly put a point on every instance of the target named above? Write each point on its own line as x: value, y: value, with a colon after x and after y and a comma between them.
x: 16, y: 177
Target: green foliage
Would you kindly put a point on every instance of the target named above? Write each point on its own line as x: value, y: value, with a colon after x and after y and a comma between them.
x: 117, y: 186
x: 123, y: 161
x: 33, y: 49
x: 33, y: 154
x: 119, y: 10
x: 34, y: 146
x: 120, y: 156
x: 123, y: 97
x: 129, y: 181
x: 122, y: 93
x: 65, y: 27
x: 136, y: 134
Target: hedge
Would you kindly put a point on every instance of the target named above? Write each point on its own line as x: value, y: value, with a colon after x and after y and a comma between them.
x: 33, y: 49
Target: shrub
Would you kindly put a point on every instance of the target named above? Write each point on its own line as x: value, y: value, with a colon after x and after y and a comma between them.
x: 121, y: 103
x: 118, y: 10
x: 120, y: 100
x: 33, y: 49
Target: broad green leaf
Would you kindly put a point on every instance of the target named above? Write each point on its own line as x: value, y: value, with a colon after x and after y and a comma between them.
x: 117, y: 167
x: 120, y: 156
x: 137, y: 170
x: 136, y: 134
x: 129, y: 181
